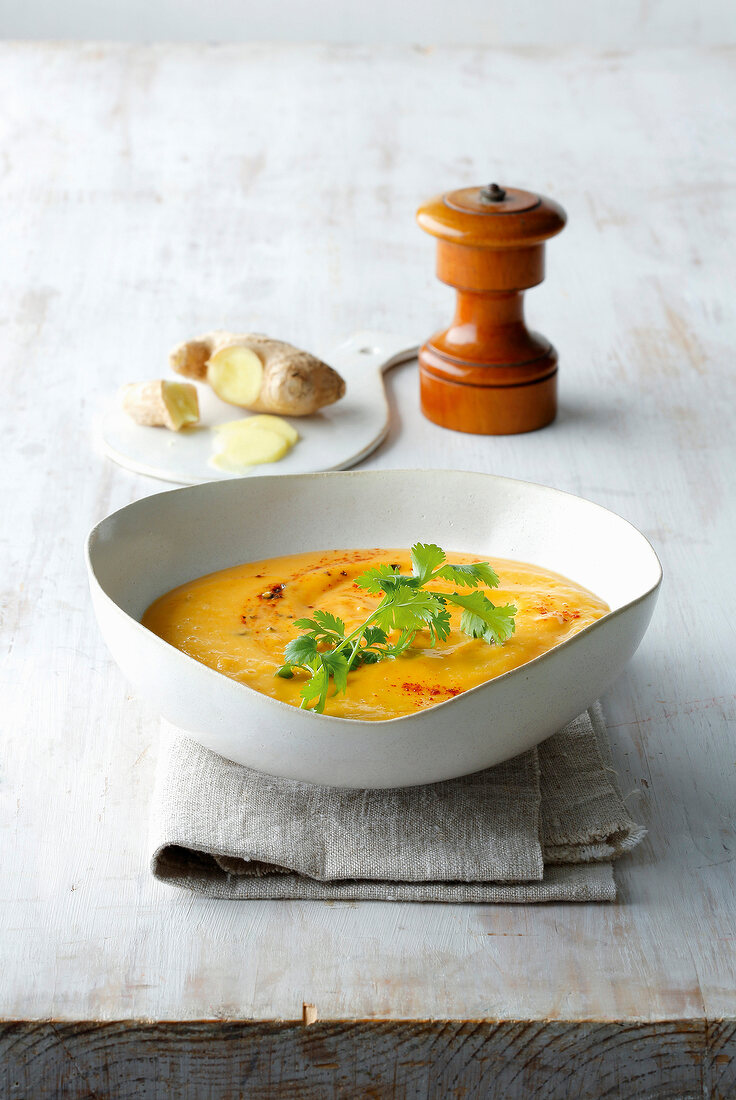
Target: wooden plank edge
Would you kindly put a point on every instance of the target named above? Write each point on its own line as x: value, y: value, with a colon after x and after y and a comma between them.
x: 216, y: 1059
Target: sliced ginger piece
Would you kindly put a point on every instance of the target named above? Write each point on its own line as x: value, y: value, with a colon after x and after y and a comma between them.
x: 264, y: 420
x: 182, y: 402
x: 236, y: 375
x: 245, y: 446
x: 161, y: 404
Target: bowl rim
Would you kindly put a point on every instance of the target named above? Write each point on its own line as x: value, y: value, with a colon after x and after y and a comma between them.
x: 366, y: 723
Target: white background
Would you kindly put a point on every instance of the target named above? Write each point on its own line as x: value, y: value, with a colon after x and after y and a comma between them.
x: 609, y: 24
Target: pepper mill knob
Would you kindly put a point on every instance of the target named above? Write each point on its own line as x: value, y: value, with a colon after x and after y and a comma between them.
x: 487, y: 373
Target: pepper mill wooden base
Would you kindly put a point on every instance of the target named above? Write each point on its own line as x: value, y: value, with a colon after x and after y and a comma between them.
x: 487, y: 373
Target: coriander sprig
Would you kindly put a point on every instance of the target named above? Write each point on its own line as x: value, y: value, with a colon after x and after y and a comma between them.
x: 327, y: 653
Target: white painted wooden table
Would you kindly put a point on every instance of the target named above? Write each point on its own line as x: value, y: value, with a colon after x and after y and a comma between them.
x: 151, y: 193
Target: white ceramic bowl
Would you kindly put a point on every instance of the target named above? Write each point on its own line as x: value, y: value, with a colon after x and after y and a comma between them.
x: 142, y: 551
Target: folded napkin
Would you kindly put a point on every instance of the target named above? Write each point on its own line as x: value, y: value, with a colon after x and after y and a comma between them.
x: 544, y: 826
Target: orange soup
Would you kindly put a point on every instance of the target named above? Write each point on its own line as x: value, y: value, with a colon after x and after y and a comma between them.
x: 239, y: 620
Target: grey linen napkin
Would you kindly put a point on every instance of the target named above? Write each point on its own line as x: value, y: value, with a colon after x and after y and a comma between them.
x: 544, y: 826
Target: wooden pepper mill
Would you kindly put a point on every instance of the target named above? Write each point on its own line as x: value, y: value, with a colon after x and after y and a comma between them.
x: 487, y: 373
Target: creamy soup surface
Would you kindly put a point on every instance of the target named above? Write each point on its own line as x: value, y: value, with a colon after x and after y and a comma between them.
x: 238, y: 621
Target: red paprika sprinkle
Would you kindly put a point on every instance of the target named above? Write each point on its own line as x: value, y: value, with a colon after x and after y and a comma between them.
x: 425, y: 689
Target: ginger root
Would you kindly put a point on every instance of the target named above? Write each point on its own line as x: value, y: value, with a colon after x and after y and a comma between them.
x: 161, y: 404
x: 190, y: 358
x: 253, y: 441
x: 255, y: 372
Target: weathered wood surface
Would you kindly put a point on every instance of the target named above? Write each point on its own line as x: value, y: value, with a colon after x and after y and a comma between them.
x: 152, y: 193
x: 400, y: 1060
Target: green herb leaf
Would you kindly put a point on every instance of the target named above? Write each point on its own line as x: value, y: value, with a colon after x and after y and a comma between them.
x: 301, y: 650
x: 324, y: 627
x: 407, y: 608
x: 425, y: 557
x: 330, y: 623
x: 440, y: 626
x: 482, y: 619
x: 367, y: 657
x: 337, y: 667
x: 374, y: 578
x: 307, y: 624
x: 373, y: 635
x: 316, y: 687
x: 469, y: 576
x: 402, y: 643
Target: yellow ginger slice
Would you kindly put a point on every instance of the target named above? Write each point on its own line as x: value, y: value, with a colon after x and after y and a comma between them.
x: 253, y: 441
x: 250, y: 449
x: 263, y: 420
x: 161, y: 404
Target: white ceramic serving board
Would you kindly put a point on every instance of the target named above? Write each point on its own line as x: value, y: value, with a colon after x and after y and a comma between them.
x: 334, y: 439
